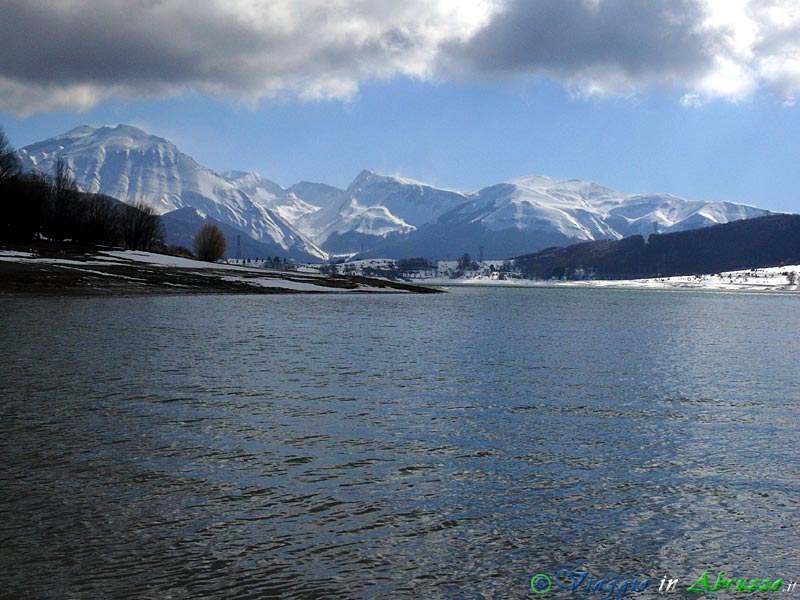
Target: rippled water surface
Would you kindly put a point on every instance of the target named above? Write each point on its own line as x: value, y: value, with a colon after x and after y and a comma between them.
x: 446, y: 446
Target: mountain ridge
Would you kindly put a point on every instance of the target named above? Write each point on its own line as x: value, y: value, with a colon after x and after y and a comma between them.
x: 376, y: 214
x: 129, y: 164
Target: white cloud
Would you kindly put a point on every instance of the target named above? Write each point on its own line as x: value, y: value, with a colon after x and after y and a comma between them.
x: 777, y: 46
x: 705, y: 49
x: 73, y: 54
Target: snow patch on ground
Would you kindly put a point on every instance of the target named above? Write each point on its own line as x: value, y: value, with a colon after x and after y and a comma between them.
x: 104, y: 274
x: 770, y: 279
x: 303, y: 286
x: 38, y: 271
x: 284, y: 284
x: 157, y: 259
x: 151, y: 258
x: 11, y: 254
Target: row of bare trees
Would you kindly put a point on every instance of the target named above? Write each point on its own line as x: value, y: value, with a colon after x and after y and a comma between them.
x: 35, y: 206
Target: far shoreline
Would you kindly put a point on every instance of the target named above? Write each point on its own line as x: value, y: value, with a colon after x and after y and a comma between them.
x: 762, y: 281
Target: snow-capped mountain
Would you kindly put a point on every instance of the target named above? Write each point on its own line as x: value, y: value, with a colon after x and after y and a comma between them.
x: 397, y: 217
x: 131, y: 165
x: 587, y: 211
x: 382, y: 215
x: 530, y: 213
x: 375, y: 207
x: 318, y: 194
x: 298, y: 201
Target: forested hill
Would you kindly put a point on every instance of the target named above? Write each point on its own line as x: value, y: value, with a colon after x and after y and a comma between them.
x: 761, y: 242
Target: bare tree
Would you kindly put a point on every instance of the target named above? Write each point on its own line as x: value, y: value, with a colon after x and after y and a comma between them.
x: 140, y: 226
x: 10, y: 208
x: 101, y: 221
x: 10, y: 165
x: 62, y: 176
x: 65, y: 206
x: 209, y: 243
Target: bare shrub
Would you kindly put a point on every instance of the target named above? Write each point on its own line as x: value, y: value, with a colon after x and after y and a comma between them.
x: 209, y: 243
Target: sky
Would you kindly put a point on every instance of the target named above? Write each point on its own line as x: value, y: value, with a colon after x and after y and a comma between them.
x: 697, y: 98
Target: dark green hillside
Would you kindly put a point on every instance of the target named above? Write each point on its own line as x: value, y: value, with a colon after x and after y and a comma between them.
x: 763, y: 242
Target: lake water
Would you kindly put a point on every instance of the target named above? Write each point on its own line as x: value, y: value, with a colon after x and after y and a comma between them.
x: 447, y: 446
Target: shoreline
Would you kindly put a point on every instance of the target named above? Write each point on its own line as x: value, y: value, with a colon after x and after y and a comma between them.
x: 666, y: 284
x: 64, y: 270
x: 71, y: 270
x: 772, y: 280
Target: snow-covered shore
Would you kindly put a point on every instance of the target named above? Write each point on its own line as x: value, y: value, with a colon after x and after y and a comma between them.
x: 52, y: 269
x: 771, y: 279
x: 63, y: 269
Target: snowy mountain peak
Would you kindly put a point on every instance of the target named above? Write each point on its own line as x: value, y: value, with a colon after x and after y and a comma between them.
x: 271, y: 196
x: 77, y: 145
x: 121, y: 135
x: 129, y: 164
x: 564, y: 189
x: 128, y: 131
x: 533, y: 181
x: 367, y: 177
x: 410, y: 201
x: 80, y: 131
x: 364, y: 174
x: 243, y: 175
x: 251, y: 180
x: 583, y: 210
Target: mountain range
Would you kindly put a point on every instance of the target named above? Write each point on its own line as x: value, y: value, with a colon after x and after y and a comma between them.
x: 376, y: 215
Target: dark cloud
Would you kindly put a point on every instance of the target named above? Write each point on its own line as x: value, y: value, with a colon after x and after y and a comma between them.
x: 604, y: 43
x: 74, y: 53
